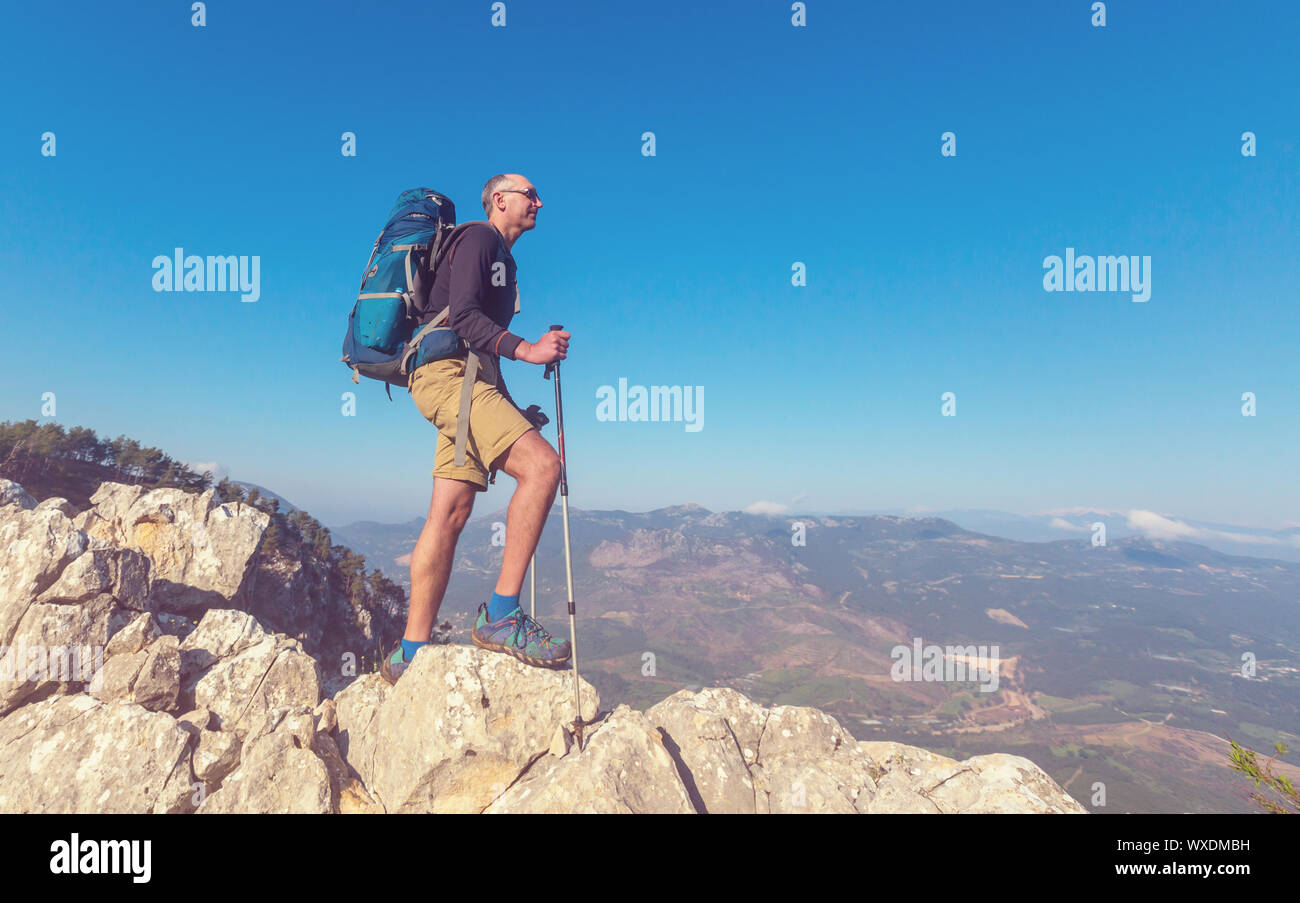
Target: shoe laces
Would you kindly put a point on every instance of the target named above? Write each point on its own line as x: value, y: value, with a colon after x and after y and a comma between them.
x: 532, y: 630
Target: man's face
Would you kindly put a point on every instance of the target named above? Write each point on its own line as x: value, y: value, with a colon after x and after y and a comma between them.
x: 521, y: 208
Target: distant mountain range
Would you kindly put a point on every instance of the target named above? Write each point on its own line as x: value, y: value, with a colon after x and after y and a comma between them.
x: 1120, y: 664
x: 1256, y: 542
x: 1232, y: 539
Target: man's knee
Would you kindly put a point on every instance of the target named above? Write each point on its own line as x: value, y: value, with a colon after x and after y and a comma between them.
x: 548, y: 467
x: 455, y: 519
x: 532, y: 458
x: 542, y: 466
x: 452, y: 507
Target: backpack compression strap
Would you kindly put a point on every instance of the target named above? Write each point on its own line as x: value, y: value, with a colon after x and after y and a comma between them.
x: 414, y: 344
x: 466, y: 396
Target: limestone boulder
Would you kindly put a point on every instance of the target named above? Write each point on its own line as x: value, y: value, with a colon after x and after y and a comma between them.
x: 458, y: 728
x: 76, y: 754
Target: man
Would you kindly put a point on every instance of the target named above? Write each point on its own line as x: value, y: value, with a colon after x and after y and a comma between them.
x: 477, y: 281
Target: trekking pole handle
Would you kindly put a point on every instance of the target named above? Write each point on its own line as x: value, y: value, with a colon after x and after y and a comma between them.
x: 553, y: 365
x: 559, y: 420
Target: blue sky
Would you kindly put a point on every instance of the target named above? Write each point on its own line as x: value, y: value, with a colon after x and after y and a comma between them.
x: 774, y: 144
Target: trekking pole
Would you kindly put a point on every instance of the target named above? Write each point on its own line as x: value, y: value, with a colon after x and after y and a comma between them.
x: 532, y: 581
x: 554, y: 366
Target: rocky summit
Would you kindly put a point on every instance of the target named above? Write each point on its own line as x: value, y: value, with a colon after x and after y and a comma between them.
x: 134, y: 679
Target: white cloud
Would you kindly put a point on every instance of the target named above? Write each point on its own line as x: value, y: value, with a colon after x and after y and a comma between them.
x: 1060, y: 523
x: 219, y: 471
x: 1157, y: 526
x: 761, y: 507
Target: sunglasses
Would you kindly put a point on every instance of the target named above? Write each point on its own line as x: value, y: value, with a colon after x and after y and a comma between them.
x: 530, y: 193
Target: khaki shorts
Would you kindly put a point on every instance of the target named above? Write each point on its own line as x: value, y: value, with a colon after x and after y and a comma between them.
x: 494, y: 423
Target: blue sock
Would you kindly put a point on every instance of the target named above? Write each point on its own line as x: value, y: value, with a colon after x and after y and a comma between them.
x: 409, y: 647
x: 500, y: 606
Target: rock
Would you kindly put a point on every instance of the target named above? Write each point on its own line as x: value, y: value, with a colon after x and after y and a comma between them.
x: 159, y: 681
x: 800, y: 759
x: 121, y: 573
x: 290, y: 780
x: 996, y: 783
x: 271, y: 673
x: 458, y: 728
x: 35, y: 546
x: 114, y: 681
x: 109, y: 507
x: 58, y: 504
x: 356, y: 706
x: 279, y: 770
x: 199, y: 718
x: 327, y: 719
x: 623, y: 767
x: 136, y: 635
x: 285, y: 725
x: 897, y: 795
x: 231, y: 666
x: 13, y: 494
x: 215, y: 756
x: 55, y: 649
x: 920, y: 781
x: 745, y: 717
x: 807, y: 762
x: 75, y: 754
x: 561, y: 741
x: 201, y: 554
x: 903, y: 758
x: 59, y: 601
x: 710, y: 761
x: 737, y: 756
x: 354, y: 799
x: 804, y: 786
x: 348, y: 794
x: 201, y: 550
x: 149, y: 677
x: 221, y: 633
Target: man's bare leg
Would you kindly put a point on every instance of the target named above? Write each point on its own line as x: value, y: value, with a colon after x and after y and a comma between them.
x: 434, y: 553
x: 536, y: 468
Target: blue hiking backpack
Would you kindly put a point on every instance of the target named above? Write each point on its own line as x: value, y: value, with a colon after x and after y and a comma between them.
x: 382, y: 341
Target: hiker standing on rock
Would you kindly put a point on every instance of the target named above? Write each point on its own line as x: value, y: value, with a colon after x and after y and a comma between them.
x: 478, y: 284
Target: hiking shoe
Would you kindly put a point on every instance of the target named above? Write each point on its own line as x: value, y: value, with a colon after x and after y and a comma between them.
x: 519, y: 635
x: 394, y: 665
